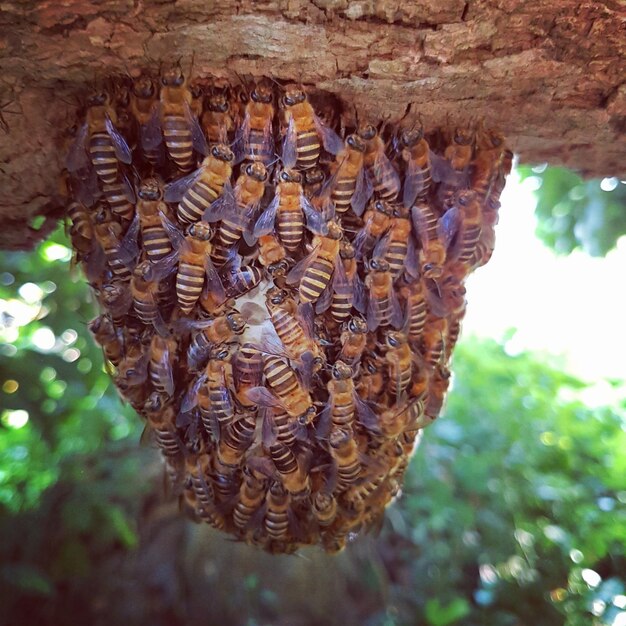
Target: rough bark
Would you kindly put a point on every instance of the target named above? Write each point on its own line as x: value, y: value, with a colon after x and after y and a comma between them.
x: 549, y: 73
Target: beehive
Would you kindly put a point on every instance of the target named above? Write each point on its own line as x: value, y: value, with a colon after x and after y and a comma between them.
x: 281, y: 288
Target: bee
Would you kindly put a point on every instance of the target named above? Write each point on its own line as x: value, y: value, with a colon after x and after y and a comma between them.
x: 107, y: 147
x: 347, y: 288
x: 254, y: 140
x: 247, y: 373
x: 175, y: 123
x: 349, y: 184
x: 110, y: 338
x: 415, y: 152
x: 204, y: 495
x: 251, y: 496
x: 121, y: 198
x: 161, y: 365
x: 434, y: 341
x: 237, y: 438
x: 416, y: 309
x: 301, y: 144
x: 276, y: 521
x: 399, y: 362
x: 459, y: 151
x: 372, y: 380
x: 353, y: 340
x: 217, y: 121
x: 397, y: 246
x: 384, y: 177
x: 293, y: 474
x: 195, y: 268
x: 198, y: 191
x: 345, y: 454
x: 279, y: 425
x: 433, y: 236
x: 377, y: 220
x: 453, y: 169
x: 313, y: 180
x: 294, y: 329
x: 132, y: 373
x: 315, y: 271
x: 436, y: 395
x: 486, y: 165
x: 383, y: 308
x: 239, y: 279
x: 466, y: 221
x: 109, y: 234
x: 236, y: 218
x: 396, y: 420
x: 344, y: 403
x: 324, y: 508
x: 81, y: 230
x: 272, y: 255
x: 117, y: 300
x: 220, y: 330
x: 143, y: 106
x: 144, y: 289
x: 290, y: 394
x: 289, y: 209
x: 162, y: 420
x: 504, y: 169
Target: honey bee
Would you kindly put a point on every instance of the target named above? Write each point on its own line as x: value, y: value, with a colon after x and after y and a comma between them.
x: 217, y: 121
x: 324, y: 508
x: 289, y: 209
x: 117, y: 300
x: 347, y: 288
x: 110, y: 338
x: 107, y: 148
x: 353, y: 340
x: 394, y: 421
x: 399, y: 361
x: 416, y: 308
x: 434, y: 341
x: 174, y: 122
x: 433, y: 236
x: 345, y: 454
x: 485, y: 167
x: 199, y: 191
x: 464, y: 219
x: 290, y: 394
x: 144, y: 290
x: 452, y: 170
x: 372, y: 381
x: 377, y: 220
x: 237, y: 438
x: 251, y: 496
x: 397, y: 246
x: 220, y: 330
x: 384, y: 177
x: 204, y: 501
x: 121, y: 198
x: 276, y: 521
x: 143, y: 106
x: 239, y: 279
x: 349, y: 186
x: 81, y: 230
x: 273, y: 255
x: 383, y: 308
x: 316, y: 269
x: 161, y: 365
x: 247, y: 372
x: 236, y: 217
x: 344, y: 403
x: 301, y: 144
x: 132, y: 373
x: 162, y: 419
x: 293, y: 474
x: 415, y: 152
x: 109, y: 235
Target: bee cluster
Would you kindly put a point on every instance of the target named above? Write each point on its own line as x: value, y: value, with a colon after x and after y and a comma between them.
x: 281, y: 290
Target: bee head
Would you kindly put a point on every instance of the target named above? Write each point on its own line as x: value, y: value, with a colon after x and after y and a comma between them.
x: 290, y: 176
x: 201, y: 231
x: 218, y: 103
x: 307, y: 416
x: 236, y: 322
x: 383, y: 207
x: 257, y: 171
x: 341, y: 371
x: 463, y: 136
x: 293, y: 96
x: 334, y: 230
x: 143, y: 87
x: 314, y: 176
x: 99, y: 98
x: 346, y: 249
x: 150, y: 190
x: 222, y: 152
x: 367, y: 132
x: 262, y: 92
x: 378, y: 265
x: 355, y: 142
x: 357, y: 325
x: 173, y: 77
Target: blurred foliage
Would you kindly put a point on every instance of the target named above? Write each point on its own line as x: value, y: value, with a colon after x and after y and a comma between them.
x: 577, y: 214
x: 512, y: 512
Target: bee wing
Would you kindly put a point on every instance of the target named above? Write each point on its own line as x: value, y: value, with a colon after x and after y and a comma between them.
x: 197, y: 136
x: 314, y: 219
x: 396, y: 311
x: 411, y: 264
x: 190, y: 399
x: 297, y: 271
x: 381, y: 246
x: 324, y: 422
x: 268, y: 434
x: 290, y: 151
x: 270, y: 343
x: 122, y: 151
x: 449, y: 225
x: 85, y: 184
x: 95, y: 263
x: 330, y: 139
x: 240, y: 144
x: 362, y: 192
x: 172, y: 231
x: 150, y: 135
x: 268, y: 137
x: 167, y: 374
x: 304, y: 315
x: 442, y: 172
x: 129, y: 192
x: 263, y: 397
x: 224, y: 204
x: 213, y: 282
x: 436, y: 304
x: 373, y: 315
x: 420, y: 226
x: 382, y: 164
x: 174, y: 191
x: 253, y: 313
x: 129, y: 248
x: 77, y: 158
x: 265, y: 223
x: 365, y: 413
x: 247, y: 219
x: 414, y: 184
x: 360, y: 295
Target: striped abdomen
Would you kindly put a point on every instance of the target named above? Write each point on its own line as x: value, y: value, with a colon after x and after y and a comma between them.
x: 238, y: 437
x: 177, y: 137
x: 342, y: 413
x: 250, y: 498
x: 308, y: 149
x: 290, y: 228
x: 156, y: 243
x: 167, y: 439
x: 289, y: 331
x: 471, y: 234
x: 240, y: 281
x: 386, y: 180
x: 103, y: 157
x: 159, y: 376
x: 341, y: 303
x: 221, y: 402
x: 204, y: 408
x: 280, y: 377
x: 145, y: 308
x: 189, y: 283
x: 248, y: 372
x: 283, y: 426
x: 198, y: 351
x: 115, y: 193
x: 115, y: 263
x: 315, y: 279
x: 395, y: 255
x: 284, y: 459
x: 276, y: 518
x: 229, y: 233
x: 258, y: 148
x: 417, y: 317
x: 342, y: 194
x: 196, y: 200
x: 399, y: 377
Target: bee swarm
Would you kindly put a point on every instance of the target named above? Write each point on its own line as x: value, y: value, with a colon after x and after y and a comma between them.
x: 281, y: 289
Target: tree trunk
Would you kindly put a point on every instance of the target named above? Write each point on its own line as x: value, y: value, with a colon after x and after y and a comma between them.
x: 549, y: 73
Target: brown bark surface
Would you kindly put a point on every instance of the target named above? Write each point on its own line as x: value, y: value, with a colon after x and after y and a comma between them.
x: 551, y: 73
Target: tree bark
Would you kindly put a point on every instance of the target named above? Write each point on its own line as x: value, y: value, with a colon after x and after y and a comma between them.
x: 549, y: 73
